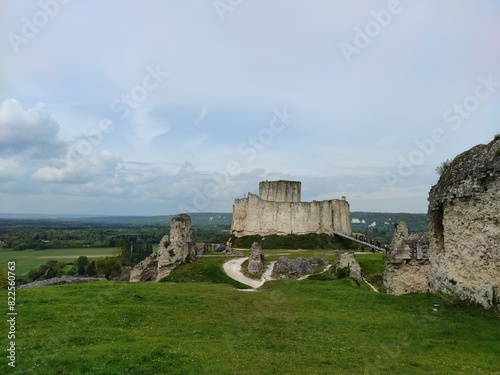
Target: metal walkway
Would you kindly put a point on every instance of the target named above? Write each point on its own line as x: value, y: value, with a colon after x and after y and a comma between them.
x: 369, y: 245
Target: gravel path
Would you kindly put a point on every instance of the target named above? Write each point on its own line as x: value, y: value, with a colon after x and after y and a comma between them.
x: 233, y: 269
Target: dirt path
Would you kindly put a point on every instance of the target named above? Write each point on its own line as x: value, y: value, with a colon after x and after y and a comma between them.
x: 233, y: 269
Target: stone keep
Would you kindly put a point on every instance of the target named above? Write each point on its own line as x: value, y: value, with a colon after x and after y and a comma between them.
x: 279, y: 210
x: 464, y: 226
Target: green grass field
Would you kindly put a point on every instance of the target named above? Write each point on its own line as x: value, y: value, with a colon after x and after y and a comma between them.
x: 29, y: 259
x: 210, y: 327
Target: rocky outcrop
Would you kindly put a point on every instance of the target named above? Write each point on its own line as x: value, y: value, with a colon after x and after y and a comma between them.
x: 255, y: 259
x: 147, y: 270
x: 407, y: 262
x: 464, y: 225
x: 172, y: 252
x: 347, y: 260
x: 279, y: 211
x: 296, y: 267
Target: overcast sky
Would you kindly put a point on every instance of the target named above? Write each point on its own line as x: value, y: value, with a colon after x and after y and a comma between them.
x: 159, y: 107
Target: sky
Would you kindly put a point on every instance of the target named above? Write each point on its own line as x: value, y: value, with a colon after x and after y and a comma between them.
x: 157, y: 107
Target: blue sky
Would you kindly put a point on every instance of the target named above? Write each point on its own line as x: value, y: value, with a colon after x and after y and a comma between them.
x: 159, y: 107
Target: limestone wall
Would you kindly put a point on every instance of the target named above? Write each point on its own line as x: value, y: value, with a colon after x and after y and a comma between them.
x: 280, y: 191
x: 254, y: 215
x: 406, y: 263
x: 464, y: 224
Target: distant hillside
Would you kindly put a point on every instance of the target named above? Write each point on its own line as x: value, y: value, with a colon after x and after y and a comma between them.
x: 199, y: 219
x: 382, y: 223
x: 360, y: 221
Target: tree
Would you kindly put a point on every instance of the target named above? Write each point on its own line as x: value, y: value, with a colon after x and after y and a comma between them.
x: 82, y: 264
x: 125, y: 252
x: 50, y: 273
x: 109, y: 267
x: 91, y: 269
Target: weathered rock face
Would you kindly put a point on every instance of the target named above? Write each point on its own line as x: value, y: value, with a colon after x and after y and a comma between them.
x: 283, y: 214
x: 255, y: 259
x: 347, y: 260
x: 296, y: 267
x: 464, y: 224
x: 171, y: 253
x: 181, y: 247
x: 147, y: 270
x: 407, y: 262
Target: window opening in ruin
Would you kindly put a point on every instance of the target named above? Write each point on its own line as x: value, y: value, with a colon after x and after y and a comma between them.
x: 437, y: 224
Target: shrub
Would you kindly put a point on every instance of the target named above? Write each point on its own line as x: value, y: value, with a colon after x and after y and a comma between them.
x: 109, y: 267
x: 294, y: 241
x: 443, y: 167
x: 344, y: 272
x: 496, y: 137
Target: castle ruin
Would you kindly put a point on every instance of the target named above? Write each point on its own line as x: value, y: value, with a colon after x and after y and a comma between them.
x: 464, y: 226
x: 172, y: 252
x: 460, y: 256
x: 278, y: 209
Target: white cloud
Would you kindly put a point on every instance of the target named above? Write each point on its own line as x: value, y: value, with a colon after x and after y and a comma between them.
x: 33, y: 131
x: 353, y: 121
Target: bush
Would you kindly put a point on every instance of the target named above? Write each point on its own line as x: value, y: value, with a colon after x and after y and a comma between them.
x: 344, y: 272
x: 443, y: 167
x: 109, y: 267
x: 294, y: 241
x: 51, y: 269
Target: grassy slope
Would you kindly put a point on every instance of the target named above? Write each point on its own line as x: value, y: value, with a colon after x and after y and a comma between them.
x: 28, y: 259
x: 288, y: 327
x: 208, y: 270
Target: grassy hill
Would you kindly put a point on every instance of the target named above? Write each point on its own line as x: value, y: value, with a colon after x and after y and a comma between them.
x: 287, y: 327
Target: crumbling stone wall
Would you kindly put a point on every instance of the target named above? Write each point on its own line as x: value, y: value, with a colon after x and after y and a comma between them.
x: 407, y: 262
x: 172, y: 252
x: 257, y: 216
x: 255, y: 259
x: 464, y: 225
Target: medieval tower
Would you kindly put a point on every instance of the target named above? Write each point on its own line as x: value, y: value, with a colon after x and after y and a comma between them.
x: 278, y: 209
